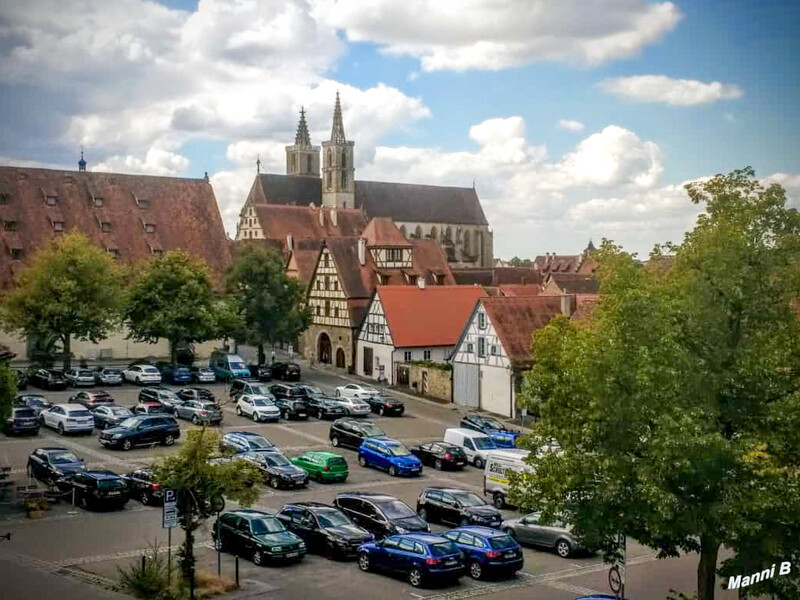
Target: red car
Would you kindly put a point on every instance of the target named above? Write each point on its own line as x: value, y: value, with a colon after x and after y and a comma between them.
x: 151, y: 408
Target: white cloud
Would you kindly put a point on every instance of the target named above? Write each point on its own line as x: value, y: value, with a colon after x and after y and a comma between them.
x: 676, y: 92
x: 156, y: 162
x: 570, y: 125
x: 487, y: 34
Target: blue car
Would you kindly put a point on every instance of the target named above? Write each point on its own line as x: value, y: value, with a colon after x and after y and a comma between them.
x: 174, y: 373
x: 389, y: 455
x: 422, y: 557
x: 500, y: 434
x: 487, y: 550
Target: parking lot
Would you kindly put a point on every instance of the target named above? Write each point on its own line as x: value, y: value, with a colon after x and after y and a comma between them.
x: 75, y: 543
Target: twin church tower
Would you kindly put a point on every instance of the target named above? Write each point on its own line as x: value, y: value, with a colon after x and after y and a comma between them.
x: 338, y: 172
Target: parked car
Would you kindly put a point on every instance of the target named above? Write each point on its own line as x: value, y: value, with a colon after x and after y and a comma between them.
x: 174, y: 373
x: 487, y: 551
x: 380, y: 514
x: 285, y: 371
x: 196, y: 393
x: 311, y: 391
x: 325, y: 529
x: 457, y: 507
x: 388, y: 455
x: 325, y: 408
x: 95, y: 489
x: 258, y: 535
x: 203, y: 375
x: 385, y: 405
x: 48, y: 379
x: 22, y: 379
x: 354, y: 407
x: 502, y: 436
x: 474, y: 444
x: 246, y: 441
x: 107, y: 376
x: 68, y: 418
x: 260, y: 372
x: 323, y: 466
x: 21, y: 420
x: 162, y: 395
x: 440, y: 455
x: 290, y: 400
x: 109, y: 415
x: 142, y: 374
x: 80, y: 377
x: 278, y: 472
x: 534, y: 531
x: 351, y: 432
x: 142, y: 430
x: 91, y: 399
x: 151, y: 407
x: 35, y: 401
x: 423, y: 557
x: 258, y: 408
x: 498, y: 464
x: 143, y: 486
x: 355, y: 390
x: 239, y: 387
x: 199, y: 411
x: 49, y: 464
x: 228, y: 366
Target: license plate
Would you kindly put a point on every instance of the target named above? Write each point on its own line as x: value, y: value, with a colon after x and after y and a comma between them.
x: 293, y: 555
x: 452, y: 561
x: 510, y: 554
x: 301, y: 414
x: 113, y: 493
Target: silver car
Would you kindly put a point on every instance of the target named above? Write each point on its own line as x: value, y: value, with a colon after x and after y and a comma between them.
x: 106, y: 376
x: 199, y: 411
x: 353, y: 406
x: 79, y: 377
x: 531, y: 530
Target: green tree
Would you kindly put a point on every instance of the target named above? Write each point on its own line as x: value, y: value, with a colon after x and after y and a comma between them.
x: 520, y: 262
x: 201, y: 485
x: 269, y: 302
x: 70, y: 289
x: 172, y: 297
x: 8, y: 390
x: 676, y: 407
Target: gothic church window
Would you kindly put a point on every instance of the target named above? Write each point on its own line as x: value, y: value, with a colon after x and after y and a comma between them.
x: 328, y: 180
x: 344, y: 159
x: 308, y: 163
x: 418, y: 232
x: 329, y: 157
x: 344, y: 181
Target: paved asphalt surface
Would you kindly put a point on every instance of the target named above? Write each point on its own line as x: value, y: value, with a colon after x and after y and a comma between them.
x: 71, y: 553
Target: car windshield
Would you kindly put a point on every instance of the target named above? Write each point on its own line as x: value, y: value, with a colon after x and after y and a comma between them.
x: 239, y: 366
x: 276, y: 460
x: 111, y: 371
x: 130, y: 422
x: 483, y: 443
x: 111, y: 484
x: 396, y: 510
x: 103, y: 398
x: 266, y: 525
x: 168, y: 394
x: 208, y: 406
x: 337, y: 461
x: 399, y: 450
x: 23, y: 413
x: 256, y: 443
x: 79, y: 413
x: 204, y: 370
x: 469, y: 499
x: 332, y: 518
x: 297, y: 393
x: 259, y: 389
x: 37, y: 400
x: 119, y: 411
x: 453, y: 450
x: 501, y: 542
x: 443, y: 549
x: 63, y: 458
x: 85, y: 374
x: 490, y: 423
x: 150, y: 370
x: 261, y: 402
x: 313, y: 390
x: 372, y: 430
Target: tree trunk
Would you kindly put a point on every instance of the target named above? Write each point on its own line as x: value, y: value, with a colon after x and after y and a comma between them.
x: 173, y: 351
x: 67, y: 339
x: 707, y: 569
x: 262, y: 357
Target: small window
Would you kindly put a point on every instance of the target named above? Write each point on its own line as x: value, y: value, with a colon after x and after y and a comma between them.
x: 494, y: 350
x: 149, y: 228
x: 344, y: 180
x: 482, y: 320
x: 328, y: 180
x: 407, y: 356
x: 58, y: 226
x: 327, y: 308
x: 5, y: 198
x: 482, y: 347
x: 98, y: 201
x: 105, y: 227
x: 51, y: 200
x: 113, y: 252
x: 158, y: 252
x: 16, y: 253
x: 10, y: 225
x: 426, y: 355
x: 143, y: 203
x: 470, y: 348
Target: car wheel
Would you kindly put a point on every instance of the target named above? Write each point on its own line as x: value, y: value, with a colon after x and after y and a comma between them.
x: 335, y: 441
x: 83, y: 502
x: 239, y: 411
x: 363, y: 562
x: 144, y: 498
x: 362, y: 461
x: 60, y: 429
x: 478, y: 462
x: 415, y: 577
x: 381, y: 411
x: 169, y: 440
x: 475, y: 570
x: 195, y: 420
x: 318, y: 477
x: 563, y: 548
x: 285, y: 414
x: 138, y: 381
x: 338, y: 394
x: 438, y: 464
x: 499, y: 501
x: 255, y: 417
x: 258, y: 558
x: 30, y: 472
x: 273, y: 482
x: 127, y: 445
x: 423, y: 514
x: 392, y: 471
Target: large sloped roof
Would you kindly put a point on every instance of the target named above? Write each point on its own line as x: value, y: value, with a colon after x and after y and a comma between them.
x: 381, y: 231
x: 494, y: 276
x: 516, y: 318
x: 575, y: 283
x: 303, y: 222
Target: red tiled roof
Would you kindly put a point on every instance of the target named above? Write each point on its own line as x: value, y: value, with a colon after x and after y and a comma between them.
x: 497, y: 276
x: 427, y: 258
x: 516, y: 318
x: 585, y: 306
x: 434, y: 316
x: 518, y: 289
x: 303, y: 222
x: 574, y: 283
x: 381, y: 231
x: 179, y: 214
x: 303, y: 260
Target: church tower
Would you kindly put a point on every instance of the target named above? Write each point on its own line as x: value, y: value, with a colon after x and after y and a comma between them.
x: 338, y: 172
x: 302, y: 159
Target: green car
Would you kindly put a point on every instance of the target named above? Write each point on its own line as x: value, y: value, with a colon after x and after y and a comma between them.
x: 257, y: 535
x: 322, y: 466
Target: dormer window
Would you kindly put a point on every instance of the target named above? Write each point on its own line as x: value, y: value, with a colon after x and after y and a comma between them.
x: 143, y: 203
x: 58, y: 226
x: 149, y: 227
x: 5, y: 198
x: 98, y: 201
x: 113, y: 252
x: 105, y: 227
x: 158, y: 252
x: 16, y: 253
x: 10, y: 225
x: 51, y: 200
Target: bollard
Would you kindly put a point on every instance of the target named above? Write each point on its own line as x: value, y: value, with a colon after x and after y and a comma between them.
x: 237, y: 572
x: 73, y: 496
x: 144, y: 564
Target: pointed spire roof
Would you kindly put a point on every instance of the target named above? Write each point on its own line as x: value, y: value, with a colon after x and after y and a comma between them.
x: 82, y: 162
x: 337, y: 131
x: 302, y: 137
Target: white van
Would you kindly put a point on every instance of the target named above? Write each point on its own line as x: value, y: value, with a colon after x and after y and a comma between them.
x: 476, y: 445
x: 495, y: 476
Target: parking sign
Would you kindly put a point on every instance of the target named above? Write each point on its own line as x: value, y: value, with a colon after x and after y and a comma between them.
x: 169, y: 513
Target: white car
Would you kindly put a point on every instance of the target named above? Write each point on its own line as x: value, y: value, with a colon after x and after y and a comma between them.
x: 354, y: 407
x: 355, y: 390
x: 258, y: 408
x: 68, y: 418
x: 142, y: 374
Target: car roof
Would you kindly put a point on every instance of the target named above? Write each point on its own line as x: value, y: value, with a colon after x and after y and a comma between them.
x: 54, y: 449
x: 370, y: 495
x: 442, y: 488
x: 249, y: 513
x: 250, y: 434
x: 466, y: 432
x: 71, y: 406
x: 386, y: 440
x: 101, y: 474
x: 324, y: 453
x: 312, y: 506
x: 425, y: 538
x: 482, y: 531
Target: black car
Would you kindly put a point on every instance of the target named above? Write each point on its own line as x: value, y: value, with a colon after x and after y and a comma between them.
x: 22, y: 420
x: 51, y: 464
x: 457, y: 506
x: 240, y: 387
x: 325, y: 408
x: 196, y: 393
x: 257, y: 535
x: 285, y: 371
x: 142, y: 486
x: 380, y: 514
x: 260, y: 372
x: 351, y: 432
x: 109, y: 415
x: 142, y: 431
x: 291, y: 401
x: 441, y: 455
x: 385, y: 405
x: 22, y: 379
x: 91, y: 399
x: 48, y: 379
x: 35, y: 401
x: 325, y: 529
x: 245, y: 441
x: 278, y: 472
x: 160, y: 394
x: 95, y: 489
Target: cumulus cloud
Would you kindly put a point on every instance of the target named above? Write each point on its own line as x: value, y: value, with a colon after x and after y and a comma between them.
x: 486, y: 34
x: 570, y: 125
x: 676, y: 92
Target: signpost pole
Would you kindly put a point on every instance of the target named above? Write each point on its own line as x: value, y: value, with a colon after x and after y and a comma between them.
x: 169, y: 556
x: 169, y: 519
x: 624, y: 547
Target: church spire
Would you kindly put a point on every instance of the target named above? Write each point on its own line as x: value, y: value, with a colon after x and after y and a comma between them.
x: 302, y: 139
x: 82, y: 162
x: 337, y: 131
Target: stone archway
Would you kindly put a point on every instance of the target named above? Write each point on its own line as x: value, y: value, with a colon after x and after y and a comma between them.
x: 324, y: 348
x: 340, y: 359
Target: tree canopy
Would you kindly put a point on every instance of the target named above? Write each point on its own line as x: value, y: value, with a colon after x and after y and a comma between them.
x: 676, y: 408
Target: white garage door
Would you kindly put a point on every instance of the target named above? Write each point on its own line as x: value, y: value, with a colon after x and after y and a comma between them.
x: 465, y: 384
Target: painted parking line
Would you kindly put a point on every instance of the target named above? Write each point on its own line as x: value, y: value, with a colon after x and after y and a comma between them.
x: 97, y: 558
x: 573, y: 589
x: 73, y: 514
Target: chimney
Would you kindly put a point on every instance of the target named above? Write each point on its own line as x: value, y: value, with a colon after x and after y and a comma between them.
x: 334, y: 217
x: 421, y: 282
x: 290, y: 242
x: 362, y: 251
x: 567, y: 305
x: 321, y: 217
